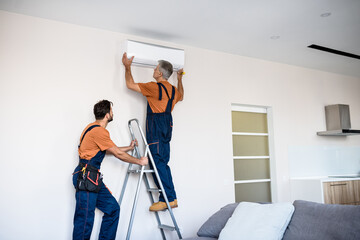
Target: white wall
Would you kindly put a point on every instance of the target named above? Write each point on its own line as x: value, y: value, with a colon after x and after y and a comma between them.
x: 51, y: 75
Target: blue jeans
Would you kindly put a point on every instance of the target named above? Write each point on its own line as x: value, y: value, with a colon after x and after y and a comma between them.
x: 86, y: 202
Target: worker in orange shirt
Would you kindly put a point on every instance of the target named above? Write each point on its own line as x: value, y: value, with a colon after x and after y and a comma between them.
x: 161, y: 97
x: 91, y: 192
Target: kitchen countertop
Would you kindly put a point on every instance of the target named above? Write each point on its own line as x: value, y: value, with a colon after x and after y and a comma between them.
x: 333, y: 178
x: 341, y: 178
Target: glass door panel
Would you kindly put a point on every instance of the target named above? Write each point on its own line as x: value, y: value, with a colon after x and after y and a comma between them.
x: 247, y: 169
x: 250, y: 145
x: 253, y: 192
x: 249, y: 122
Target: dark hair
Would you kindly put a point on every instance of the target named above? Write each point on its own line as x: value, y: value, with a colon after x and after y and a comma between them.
x: 101, y: 108
x: 166, y: 68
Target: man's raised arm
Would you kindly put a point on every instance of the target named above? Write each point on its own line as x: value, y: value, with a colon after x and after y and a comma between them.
x: 128, y: 76
x: 180, y: 85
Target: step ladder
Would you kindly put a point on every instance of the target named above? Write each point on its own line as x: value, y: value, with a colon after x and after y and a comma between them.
x: 143, y: 176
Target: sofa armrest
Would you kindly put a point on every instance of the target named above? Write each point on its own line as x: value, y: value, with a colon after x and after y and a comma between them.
x: 213, y: 226
x: 323, y: 222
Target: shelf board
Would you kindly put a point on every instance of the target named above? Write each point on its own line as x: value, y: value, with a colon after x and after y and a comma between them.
x: 250, y: 157
x: 252, y: 181
x: 249, y: 134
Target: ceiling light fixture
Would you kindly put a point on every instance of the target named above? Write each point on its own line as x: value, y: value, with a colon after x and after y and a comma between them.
x: 334, y: 51
x: 325, y: 14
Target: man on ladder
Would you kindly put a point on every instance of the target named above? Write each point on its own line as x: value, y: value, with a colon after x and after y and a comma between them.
x: 161, y: 97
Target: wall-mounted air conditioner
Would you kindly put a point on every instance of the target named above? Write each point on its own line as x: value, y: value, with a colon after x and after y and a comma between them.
x: 147, y: 55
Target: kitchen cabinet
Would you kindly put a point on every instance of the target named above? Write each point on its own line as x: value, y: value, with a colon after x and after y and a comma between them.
x: 357, y: 191
x: 326, y: 190
x: 342, y: 192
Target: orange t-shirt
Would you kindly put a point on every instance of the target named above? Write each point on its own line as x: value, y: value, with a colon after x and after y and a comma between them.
x: 95, y: 140
x: 151, y: 91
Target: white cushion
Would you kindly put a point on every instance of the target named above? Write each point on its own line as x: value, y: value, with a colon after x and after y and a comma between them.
x: 254, y: 221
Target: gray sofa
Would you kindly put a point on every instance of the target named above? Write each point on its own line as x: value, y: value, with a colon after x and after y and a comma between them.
x: 310, y: 221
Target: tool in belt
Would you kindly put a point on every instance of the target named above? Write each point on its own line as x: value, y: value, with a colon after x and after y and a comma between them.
x: 89, y: 178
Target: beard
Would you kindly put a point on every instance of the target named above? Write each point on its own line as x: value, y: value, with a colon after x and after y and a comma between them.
x: 110, y: 119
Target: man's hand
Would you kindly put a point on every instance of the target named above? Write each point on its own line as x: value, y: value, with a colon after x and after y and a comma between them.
x: 127, y: 62
x: 143, y: 161
x: 180, y: 73
x: 133, y: 144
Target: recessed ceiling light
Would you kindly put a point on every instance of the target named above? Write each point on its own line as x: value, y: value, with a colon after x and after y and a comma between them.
x: 325, y: 14
x: 274, y: 37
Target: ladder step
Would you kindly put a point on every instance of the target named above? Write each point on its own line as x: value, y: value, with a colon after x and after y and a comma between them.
x: 154, y: 190
x: 166, y: 227
x: 139, y: 171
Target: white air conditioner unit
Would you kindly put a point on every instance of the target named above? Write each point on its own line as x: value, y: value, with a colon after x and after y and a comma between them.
x: 147, y: 55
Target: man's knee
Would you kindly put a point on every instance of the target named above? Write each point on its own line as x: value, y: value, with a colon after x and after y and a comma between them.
x: 115, y: 210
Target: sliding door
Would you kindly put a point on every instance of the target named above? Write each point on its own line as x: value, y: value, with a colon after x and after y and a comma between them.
x: 252, y: 178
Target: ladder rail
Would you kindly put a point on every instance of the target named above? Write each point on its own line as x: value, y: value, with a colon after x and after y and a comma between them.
x: 148, y: 153
x: 164, y: 194
x: 135, y: 153
x: 125, y: 184
x: 135, y: 203
x: 141, y: 176
x: 147, y: 184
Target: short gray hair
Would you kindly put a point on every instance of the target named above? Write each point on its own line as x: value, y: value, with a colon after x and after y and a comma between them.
x: 166, y: 68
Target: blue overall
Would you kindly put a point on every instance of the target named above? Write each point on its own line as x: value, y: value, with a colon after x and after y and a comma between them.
x: 86, y: 202
x: 158, y: 136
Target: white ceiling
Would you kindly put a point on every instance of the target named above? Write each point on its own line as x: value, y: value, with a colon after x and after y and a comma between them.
x: 243, y: 27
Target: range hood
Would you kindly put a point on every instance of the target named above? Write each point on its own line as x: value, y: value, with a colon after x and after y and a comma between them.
x: 338, y: 121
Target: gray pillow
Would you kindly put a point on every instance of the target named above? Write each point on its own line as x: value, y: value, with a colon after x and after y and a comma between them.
x: 213, y: 226
x: 317, y: 221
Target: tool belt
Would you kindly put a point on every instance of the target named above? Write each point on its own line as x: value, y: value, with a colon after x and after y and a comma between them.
x: 89, y: 179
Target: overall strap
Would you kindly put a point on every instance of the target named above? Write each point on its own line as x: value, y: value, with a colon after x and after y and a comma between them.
x: 149, y: 110
x: 160, y: 92
x: 170, y: 102
x: 172, y: 93
x: 87, y: 130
